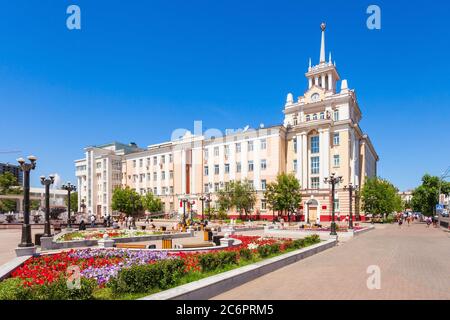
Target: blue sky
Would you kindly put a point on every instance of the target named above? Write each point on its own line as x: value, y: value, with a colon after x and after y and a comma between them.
x: 139, y: 69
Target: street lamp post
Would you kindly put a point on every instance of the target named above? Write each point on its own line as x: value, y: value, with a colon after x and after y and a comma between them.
x: 208, y: 201
x: 184, y: 200
x: 69, y: 188
x: 350, y: 189
x: 202, y: 199
x: 26, y: 227
x: 332, y: 180
x: 47, y: 182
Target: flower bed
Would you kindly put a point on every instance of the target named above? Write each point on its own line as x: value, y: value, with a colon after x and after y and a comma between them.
x: 98, y: 234
x: 113, y: 273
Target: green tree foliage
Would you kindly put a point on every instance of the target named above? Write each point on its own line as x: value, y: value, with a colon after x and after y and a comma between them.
x: 35, y: 204
x: 426, y: 196
x: 8, y: 184
x: 73, y: 201
x: 126, y: 200
x: 239, y: 194
x: 7, y: 205
x: 151, y: 203
x: 284, y: 194
x: 380, y: 197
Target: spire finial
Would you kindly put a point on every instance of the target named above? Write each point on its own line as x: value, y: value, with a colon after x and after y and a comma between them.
x: 309, y: 63
x: 329, y: 59
x: 322, y: 45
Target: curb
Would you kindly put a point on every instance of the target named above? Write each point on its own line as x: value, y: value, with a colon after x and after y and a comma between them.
x: 209, y: 287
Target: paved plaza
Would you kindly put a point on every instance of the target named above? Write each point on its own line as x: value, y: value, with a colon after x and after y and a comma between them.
x: 414, y: 263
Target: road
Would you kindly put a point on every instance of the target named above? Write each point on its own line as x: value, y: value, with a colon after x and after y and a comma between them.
x: 414, y: 263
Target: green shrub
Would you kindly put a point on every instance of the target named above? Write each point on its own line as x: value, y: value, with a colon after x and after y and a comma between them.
x: 274, y: 248
x: 298, y: 243
x: 58, y: 290
x: 12, y: 289
x: 312, y: 239
x: 143, y: 278
x: 264, y: 251
x: 245, y: 254
x: 217, y: 260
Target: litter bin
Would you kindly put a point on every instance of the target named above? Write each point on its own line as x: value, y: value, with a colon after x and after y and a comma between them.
x: 37, y: 238
x: 167, y: 243
x: 216, y: 240
x: 206, y: 234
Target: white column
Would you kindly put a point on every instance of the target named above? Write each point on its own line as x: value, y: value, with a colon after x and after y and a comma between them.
x: 183, y: 174
x: 299, y: 159
x: 221, y: 164
x: 310, y: 83
x: 324, y: 155
x: 304, y: 161
x: 244, y: 164
x: 323, y: 81
x: 232, y: 161
x: 316, y: 80
x: 330, y: 82
x: 256, y: 164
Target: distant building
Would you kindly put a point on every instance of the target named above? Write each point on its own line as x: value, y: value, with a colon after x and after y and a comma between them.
x: 406, y: 195
x: 320, y: 135
x: 15, y: 170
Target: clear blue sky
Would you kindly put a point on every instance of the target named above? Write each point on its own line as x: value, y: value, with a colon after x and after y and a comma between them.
x: 139, y: 69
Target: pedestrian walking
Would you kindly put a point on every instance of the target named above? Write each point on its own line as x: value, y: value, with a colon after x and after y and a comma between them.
x: 92, y: 221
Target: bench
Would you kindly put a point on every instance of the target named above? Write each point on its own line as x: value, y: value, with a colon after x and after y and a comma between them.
x: 194, y: 245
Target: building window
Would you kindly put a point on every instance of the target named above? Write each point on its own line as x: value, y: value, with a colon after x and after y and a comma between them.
x: 155, y: 190
x: 308, y: 117
x: 336, y: 139
x: 163, y: 175
x: 250, y: 182
x: 238, y: 167
x: 315, y: 183
x: 263, y: 184
x: 238, y: 147
x: 148, y: 162
x: 294, y: 165
x: 171, y: 190
x: 216, y: 169
x: 226, y: 150
x: 216, y: 151
x: 163, y: 159
x: 336, y: 115
x: 263, y: 144
x: 216, y: 187
x: 294, y: 141
x: 141, y: 163
x: 134, y: 164
x: 250, y: 146
x: 171, y: 174
x: 154, y: 176
x: 263, y: 164
x: 206, y: 170
x: 315, y: 116
x: 170, y: 158
x: 314, y: 165
x: 206, y: 187
x: 227, y: 168
x: 336, y: 204
x: 315, y: 144
x: 155, y: 161
x: 263, y: 204
x: 205, y: 154
x: 322, y: 115
x: 250, y: 166
x: 336, y: 160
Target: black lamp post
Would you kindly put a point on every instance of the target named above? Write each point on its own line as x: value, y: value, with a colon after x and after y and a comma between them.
x: 47, y: 182
x: 350, y: 189
x: 208, y: 201
x: 69, y: 188
x: 202, y: 199
x: 333, y: 180
x: 184, y: 200
x: 26, y: 227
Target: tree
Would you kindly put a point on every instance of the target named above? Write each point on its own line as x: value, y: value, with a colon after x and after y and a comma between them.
x: 7, y: 205
x: 152, y: 203
x: 284, y: 194
x: 126, y: 200
x: 35, y: 204
x: 426, y: 196
x: 239, y: 194
x: 73, y: 201
x: 380, y: 197
x: 8, y: 184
